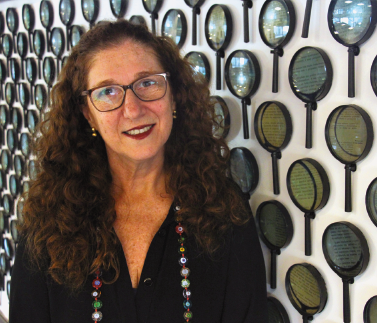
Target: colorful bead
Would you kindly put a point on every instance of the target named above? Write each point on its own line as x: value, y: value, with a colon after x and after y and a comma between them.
x: 187, y: 304
x: 185, y: 272
x: 177, y: 208
x: 97, y: 304
x: 97, y: 283
x: 185, y: 283
x: 96, y: 293
x: 182, y: 261
x: 187, y: 315
x: 179, y: 229
x: 97, y: 316
x: 98, y: 273
x: 187, y: 293
x: 181, y: 239
x: 181, y: 250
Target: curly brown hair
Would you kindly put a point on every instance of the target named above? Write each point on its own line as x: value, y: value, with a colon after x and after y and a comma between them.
x: 69, y: 212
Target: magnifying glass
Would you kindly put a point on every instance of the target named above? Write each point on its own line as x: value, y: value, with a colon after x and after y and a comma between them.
x: 273, y: 129
x: 277, y: 22
x: 40, y: 96
x: 370, y: 310
x: 7, y: 204
x: 8, y: 246
x: 10, y: 93
x: 49, y: 72
x: 46, y: 14
x: 4, y: 116
x: 310, y: 78
x: 31, y: 74
x: 152, y: 7
x: 195, y: 5
x: 351, y: 23
x: 347, y: 253
x: 174, y: 26
x: 244, y: 169
x: 2, y: 24
x: 309, y: 188
x: 199, y: 63
x: 14, y: 185
x: 222, y: 117
x: 32, y: 170
x: 14, y: 231
x: 6, y: 162
x: 39, y: 47
x: 20, y: 207
x: 7, y: 45
x: 90, y: 9
x: 14, y: 73
x: 373, y: 75
x: 4, y: 267
x: 32, y: 120
x: 28, y: 19
x: 242, y: 76
x: 138, y: 20
x: 218, y: 32
x: 22, y: 45
x: 25, y: 147
x: 306, y: 289
x: 371, y: 201
x: 275, y: 230
x: 16, y: 119
x: 19, y: 163
x: 75, y: 35
x: 276, y: 311
x: 3, y: 76
x: 23, y: 93
x: 67, y: 14
x: 12, y: 23
x: 118, y: 7
x: 305, y: 26
x: 11, y: 140
x: 57, y: 44
x: 349, y: 137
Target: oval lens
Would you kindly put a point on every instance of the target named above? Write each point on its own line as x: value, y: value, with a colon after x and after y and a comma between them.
x: 150, y: 5
x: 199, y: 63
x: 32, y: 170
x: 241, y: 74
x: 11, y: 139
x: 57, y: 41
x: 351, y: 20
x: 38, y: 43
x: 65, y: 11
x: 88, y: 7
x: 21, y: 44
x: 217, y: 27
x: 7, y: 45
x: 11, y: 19
x: 3, y: 116
x: 40, y: 96
x: 9, y: 93
x: 18, y: 166
x: 276, y: 22
x: 174, y: 26
x: 23, y: 93
x: 222, y: 118
x: 32, y: 120
x: 25, y: 144
x: 76, y: 33
x: 370, y: 310
x: 45, y: 14
x: 116, y: 5
x: 26, y: 16
x: 13, y: 185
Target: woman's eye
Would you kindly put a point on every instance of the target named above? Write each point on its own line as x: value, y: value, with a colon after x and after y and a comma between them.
x: 108, y: 91
x: 147, y: 83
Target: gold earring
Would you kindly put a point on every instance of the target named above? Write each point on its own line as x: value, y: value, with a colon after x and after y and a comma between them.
x: 94, y: 132
x: 174, y: 114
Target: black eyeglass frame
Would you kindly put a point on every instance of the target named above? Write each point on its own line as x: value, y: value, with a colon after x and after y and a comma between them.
x: 125, y: 88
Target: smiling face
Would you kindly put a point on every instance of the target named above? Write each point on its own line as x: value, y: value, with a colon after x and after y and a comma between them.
x: 137, y: 131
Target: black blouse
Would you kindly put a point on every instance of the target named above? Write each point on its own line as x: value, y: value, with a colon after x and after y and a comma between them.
x: 229, y: 287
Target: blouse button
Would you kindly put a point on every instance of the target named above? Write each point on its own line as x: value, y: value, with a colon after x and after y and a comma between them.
x: 148, y: 282
x: 187, y: 304
x: 185, y: 283
x: 97, y: 316
x: 97, y: 283
x: 179, y: 229
x: 187, y: 315
x: 97, y: 304
x: 182, y: 261
x: 185, y: 272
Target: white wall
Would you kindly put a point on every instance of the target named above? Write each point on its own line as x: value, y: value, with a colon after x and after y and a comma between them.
x: 319, y: 36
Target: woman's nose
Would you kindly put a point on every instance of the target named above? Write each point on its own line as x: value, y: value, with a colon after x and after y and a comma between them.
x: 132, y: 105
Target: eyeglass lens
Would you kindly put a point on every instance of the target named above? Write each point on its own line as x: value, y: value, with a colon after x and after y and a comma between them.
x: 111, y: 97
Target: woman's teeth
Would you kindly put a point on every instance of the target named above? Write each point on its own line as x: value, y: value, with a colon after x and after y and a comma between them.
x: 138, y: 131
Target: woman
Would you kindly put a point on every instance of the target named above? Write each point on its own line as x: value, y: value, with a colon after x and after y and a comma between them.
x: 127, y: 151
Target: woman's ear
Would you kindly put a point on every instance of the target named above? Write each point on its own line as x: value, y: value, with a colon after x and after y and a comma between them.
x: 86, y: 112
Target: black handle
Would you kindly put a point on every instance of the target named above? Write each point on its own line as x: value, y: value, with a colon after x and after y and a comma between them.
x: 352, y: 52
x: 195, y: 12
x: 346, y: 300
x: 274, y: 254
x: 311, y: 106
x: 275, y: 172
x: 15, y: 44
x: 308, y: 235
x: 275, y: 74
x: 22, y: 69
x: 30, y: 42
x: 348, y: 198
x: 57, y: 66
x: 48, y: 40
x: 245, y: 102
x: 154, y: 16
x: 219, y: 55
x: 305, y: 26
x: 246, y: 5
x: 17, y: 92
x: 39, y: 68
x: 68, y: 36
x: 8, y: 68
x: 31, y: 94
x: 2, y: 91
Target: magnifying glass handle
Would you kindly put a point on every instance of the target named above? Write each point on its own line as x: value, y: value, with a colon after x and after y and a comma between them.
x: 275, y: 73
x: 2, y: 92
x: 348, y: 198
x: 154, y: 16
x: 22, y: 68
x: 195, y: 11
x: 68, y: 35
x: 246, y: 5
x: 14, y: 44
x: 274, y: 254
x: 48, y: 40
x: 346, y: 300
x: 308, y: 235
x: 31, y: 94
x: 352, y: 52
x: 8, y: 67
x: 245, y: 102
x: 57, y: 66
x: 311, y: 106
x: 305, y: 26
x: 219, y: 55
x: 39, y: 68
x: 30, y: 42
x: 275, y: 172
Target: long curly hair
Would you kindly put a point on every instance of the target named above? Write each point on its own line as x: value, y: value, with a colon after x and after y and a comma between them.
x: 69, y: 211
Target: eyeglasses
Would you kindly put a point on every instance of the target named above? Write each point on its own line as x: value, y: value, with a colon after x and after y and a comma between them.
x: 110, y: 97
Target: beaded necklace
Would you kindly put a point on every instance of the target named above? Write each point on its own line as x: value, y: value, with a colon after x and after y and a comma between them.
x: 185, y: 283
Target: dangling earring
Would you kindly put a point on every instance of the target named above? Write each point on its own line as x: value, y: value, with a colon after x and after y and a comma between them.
x: 174, y: 114
x: 94, y: 132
